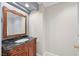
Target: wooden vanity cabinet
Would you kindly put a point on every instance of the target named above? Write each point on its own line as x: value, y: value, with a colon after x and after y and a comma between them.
x: 27, y: 49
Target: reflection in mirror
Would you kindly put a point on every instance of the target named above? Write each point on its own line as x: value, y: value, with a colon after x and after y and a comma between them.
x: 15, y: 24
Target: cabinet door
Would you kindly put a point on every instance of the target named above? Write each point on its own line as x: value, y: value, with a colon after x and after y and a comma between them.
x: 32, y: 48
x: 19, y: 51
x: 26, y: 49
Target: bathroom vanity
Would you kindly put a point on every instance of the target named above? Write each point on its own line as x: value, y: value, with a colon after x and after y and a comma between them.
x: 17, y: 47
x: 16, y: 40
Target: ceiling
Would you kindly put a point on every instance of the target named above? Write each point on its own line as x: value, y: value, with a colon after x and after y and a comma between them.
x: 34, y: 6
x: 47, y: 4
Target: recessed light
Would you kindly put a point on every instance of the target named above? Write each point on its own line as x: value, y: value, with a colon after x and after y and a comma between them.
x: 27, y: 5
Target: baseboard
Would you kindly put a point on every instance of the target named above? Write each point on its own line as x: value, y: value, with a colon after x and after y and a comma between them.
x: 38, y: 54
x: 50, y: 54
x: 47, y: 54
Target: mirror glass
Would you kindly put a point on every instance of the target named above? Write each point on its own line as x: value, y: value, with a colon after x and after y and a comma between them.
x: 15, y: 24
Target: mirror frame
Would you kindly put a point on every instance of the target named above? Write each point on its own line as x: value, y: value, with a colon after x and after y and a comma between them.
x: 5, y: 12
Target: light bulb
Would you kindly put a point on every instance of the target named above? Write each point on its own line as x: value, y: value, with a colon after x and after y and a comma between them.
x: 27, y: 5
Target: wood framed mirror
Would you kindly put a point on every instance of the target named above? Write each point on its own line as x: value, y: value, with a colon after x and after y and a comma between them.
x: 14, y: 23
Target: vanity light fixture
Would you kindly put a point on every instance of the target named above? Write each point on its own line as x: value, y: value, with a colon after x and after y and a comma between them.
x: 27, y: 5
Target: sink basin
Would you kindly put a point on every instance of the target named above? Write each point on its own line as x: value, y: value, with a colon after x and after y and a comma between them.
x: 21, y: 40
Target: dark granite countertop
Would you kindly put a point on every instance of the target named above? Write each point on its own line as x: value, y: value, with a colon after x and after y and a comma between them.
x: 10, y: 43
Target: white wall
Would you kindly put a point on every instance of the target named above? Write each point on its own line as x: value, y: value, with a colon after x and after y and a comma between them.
x: 36, y: 29
x: 61, y: 28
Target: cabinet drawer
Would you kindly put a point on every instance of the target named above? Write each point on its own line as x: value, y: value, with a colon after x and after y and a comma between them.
x: 16, y: 50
